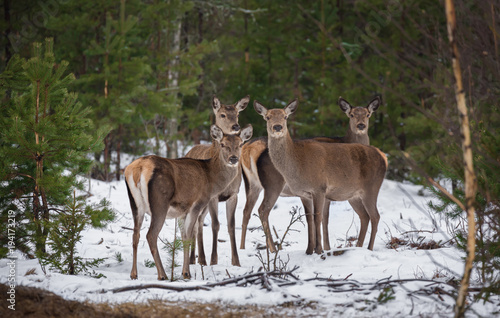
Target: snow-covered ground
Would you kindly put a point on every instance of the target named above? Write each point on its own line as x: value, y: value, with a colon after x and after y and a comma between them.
x: 404, y: 214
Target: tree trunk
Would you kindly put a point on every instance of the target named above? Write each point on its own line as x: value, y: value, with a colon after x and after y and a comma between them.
x: 8, y: 23
x: 470, y: 178
x: 173, y: 81
x: 118, y: 148
x: 201, y: 87
x: 40, y: 211
x: 107, y: 159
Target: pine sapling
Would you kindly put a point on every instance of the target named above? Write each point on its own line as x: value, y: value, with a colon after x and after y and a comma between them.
x: 172, y: 249
x: 66, y: 232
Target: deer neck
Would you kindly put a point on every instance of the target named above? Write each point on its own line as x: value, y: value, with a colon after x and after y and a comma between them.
x: 282, y: 153
x: 220, y: 174
x: 354, y: 138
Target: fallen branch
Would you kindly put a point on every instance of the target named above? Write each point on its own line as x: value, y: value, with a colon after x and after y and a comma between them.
x: 266, y: 279
x: 160, y: 286
x: 419, y: 231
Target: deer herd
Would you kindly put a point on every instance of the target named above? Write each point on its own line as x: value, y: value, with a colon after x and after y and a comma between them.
x: 317, y: 170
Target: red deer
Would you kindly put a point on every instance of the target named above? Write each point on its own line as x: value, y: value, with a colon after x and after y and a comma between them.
x: 180, y: 188
x: 318, y: 171
x: 260, y: 174
x: 226, y: 117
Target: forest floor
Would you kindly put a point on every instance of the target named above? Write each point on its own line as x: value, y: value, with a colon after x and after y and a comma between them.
x: 37, y: 302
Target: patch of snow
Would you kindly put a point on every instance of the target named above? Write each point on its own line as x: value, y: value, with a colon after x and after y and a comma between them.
x: 401, y: 207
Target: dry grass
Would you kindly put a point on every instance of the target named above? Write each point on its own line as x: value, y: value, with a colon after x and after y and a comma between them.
x: 396, y: 242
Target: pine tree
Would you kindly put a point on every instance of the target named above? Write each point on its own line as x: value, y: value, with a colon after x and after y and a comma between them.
x: 117, y: 84
x: 65, y: 232
x: 175, y: 55
x: 46, y: 137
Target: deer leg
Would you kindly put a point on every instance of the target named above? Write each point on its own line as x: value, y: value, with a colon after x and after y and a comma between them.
x: 372, y: 211
x: 192, y: 257
x: 318, y: 204
x: 230, y: 213
x: 187, y: 233
x: 252, y: 196
x: 360, y: 210
x: 270, y: 198
x: 326, y: 217
x: 157, y: 219
x: 199, y: 237
x: 192, y: 253
x: 135, y: 241
x: 311, y: 235
x: 213, y: 207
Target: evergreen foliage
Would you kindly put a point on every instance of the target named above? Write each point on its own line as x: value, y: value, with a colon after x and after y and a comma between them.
x: 65, y: 233
x: 46, y: 137
x: 173, y: 248
x: 487, y: 166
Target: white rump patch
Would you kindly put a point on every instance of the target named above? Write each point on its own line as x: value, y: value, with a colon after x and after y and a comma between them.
x: 140, y: 194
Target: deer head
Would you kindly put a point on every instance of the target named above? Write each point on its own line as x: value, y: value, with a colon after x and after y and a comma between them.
x: 226, y: 116
x: 276, y: 118
x: 359, y: 116
x: 231, y: 144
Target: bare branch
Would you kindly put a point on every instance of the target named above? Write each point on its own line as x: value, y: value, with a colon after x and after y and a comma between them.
x: 432, y: 181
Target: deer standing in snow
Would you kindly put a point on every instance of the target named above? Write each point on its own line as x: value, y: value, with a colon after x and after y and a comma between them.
x: 260, y: 174
x: 180, y: 188
x: 226, y: 117
x: 317, y: 171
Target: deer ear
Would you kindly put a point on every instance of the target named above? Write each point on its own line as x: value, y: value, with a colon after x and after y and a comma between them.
x: 374, y: 104
x: 243, y: 103
x: 216, y: 104
x: 216, y: 133
x: 291, y: 107
x: 246, y: 133
x: 344, y: 105
x: 259, y: 108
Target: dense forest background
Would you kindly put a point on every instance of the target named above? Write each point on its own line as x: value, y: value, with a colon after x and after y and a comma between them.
x: 147, y: 70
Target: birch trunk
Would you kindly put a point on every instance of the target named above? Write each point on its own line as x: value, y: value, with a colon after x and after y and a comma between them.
x: 470, y: 177
x: 173, y: 82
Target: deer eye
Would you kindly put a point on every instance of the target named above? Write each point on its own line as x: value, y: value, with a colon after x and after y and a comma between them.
x: 223, y: 116
x: 267, y: 117
x: 286, y: 117
x: 352, y: 116
x: 368, y: 115
x: 222, y: 144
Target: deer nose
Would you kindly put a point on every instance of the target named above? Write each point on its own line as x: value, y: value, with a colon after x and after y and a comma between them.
x: 236, y: 127
x: 277, y: 128
x: 233, y: 160
x: 361, y: 126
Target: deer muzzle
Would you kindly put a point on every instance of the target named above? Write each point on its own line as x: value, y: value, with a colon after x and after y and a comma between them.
x: 277, y: 128
x: 233, y: 160
x: 361, y: 126
x: 236, y: 127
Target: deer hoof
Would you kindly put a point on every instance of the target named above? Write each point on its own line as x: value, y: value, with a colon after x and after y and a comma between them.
x: 236, y: 263
x: 133, y: 276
